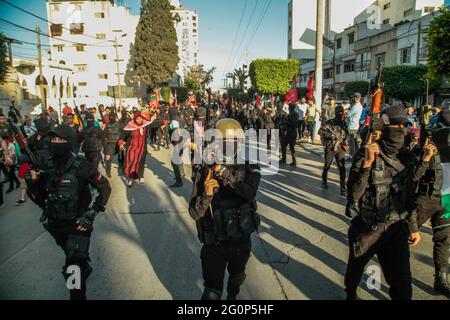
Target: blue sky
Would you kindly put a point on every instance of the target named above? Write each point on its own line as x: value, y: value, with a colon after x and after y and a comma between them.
x: 219, y: 20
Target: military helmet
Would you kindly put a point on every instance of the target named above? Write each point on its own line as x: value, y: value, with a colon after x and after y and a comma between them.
x: 230, y: 129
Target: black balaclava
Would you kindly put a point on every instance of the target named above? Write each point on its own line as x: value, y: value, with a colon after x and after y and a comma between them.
x: 112, y: 118
x: 392, y: 140
x: 89, y: 120
x: 339, y: 113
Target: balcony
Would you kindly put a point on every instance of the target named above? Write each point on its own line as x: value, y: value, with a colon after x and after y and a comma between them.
x: 362, y: 66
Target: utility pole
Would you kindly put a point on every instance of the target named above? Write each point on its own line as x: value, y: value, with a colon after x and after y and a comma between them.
x: 319, y: 57
x: 418, y: 43
x: 10, y: 52
x: 118, y: 72
x: 41, y: 78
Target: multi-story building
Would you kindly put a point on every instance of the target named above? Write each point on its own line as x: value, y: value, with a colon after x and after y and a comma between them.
x: 93, y: 38
x: 187, y: 27
x: 395, y: 11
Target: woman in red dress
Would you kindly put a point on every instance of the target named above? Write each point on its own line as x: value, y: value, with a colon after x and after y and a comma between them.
x: 134, y: 139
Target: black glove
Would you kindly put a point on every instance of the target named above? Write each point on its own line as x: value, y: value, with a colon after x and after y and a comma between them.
x: 87, y: 220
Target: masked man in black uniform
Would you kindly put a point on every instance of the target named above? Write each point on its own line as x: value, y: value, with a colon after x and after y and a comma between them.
x: 62, y: 190
x: 334, y: 136
x: 111, y: 135
x: 289, y: 135
x: 224, y: 207
x: 379, y: 202
x: 92, y: 141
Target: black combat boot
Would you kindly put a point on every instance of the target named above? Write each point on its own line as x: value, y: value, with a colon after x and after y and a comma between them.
x: 211, y: 294
x: 343, y: 190
x: 294, y: 161
x: 441, y: 284
x: 324, y: 184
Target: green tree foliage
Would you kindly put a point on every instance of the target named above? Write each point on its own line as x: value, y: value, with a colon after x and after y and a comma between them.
x: 272, y: 75
x: 405, y: 83
x: 197, y: 79
x: 438, y: 41
x: 3, y: 59
x: 356, y: 86
x: 155, y: 54
x: 241, y: 76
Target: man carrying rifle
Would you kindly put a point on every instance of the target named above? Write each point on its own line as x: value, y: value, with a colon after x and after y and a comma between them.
x: 379, y: 205
x: 62, y: 190
x: 428, y: 176
x: 334, y: 136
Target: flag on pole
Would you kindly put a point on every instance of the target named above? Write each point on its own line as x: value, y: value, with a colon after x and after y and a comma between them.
x: 258, y: 101
x: 441, y: 137
x: 292, y: 94
x: 310, y: 93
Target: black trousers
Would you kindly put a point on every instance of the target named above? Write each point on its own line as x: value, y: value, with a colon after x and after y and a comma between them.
x: 4, y: 170
x: 75, y: 245
x: 153, y: 132
x: 163, y: 134
x: 178, y: 170
x: 110, y: 150
x: 339, y: 156
x: 289, y: 138
x: 12, y: 177
x: 430, y: 208
x: 232, y: 256
x: 390, y: 242
x: 301, y: 128
x: 94, y: 157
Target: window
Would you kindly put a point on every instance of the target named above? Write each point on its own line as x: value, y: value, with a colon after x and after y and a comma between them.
x: 195, y: 55
x: 194, y: 18
x: 290, y: 13
x: 100, y: 36
x: 103, y: 93
x: 407, y: 12
x: 184, y: 24
x: 100, y: 15
x: 54, y: 7
x: 81, y: 67
x: 386, y: 21
x: 351, y: 38
x: 380, y: 58
x: 405, y: 55
x: 76, y: 28
x: 194, y: 31
x: 339, y: 43
x: 338, y: 69
x: 290, y: 28
x: 59, y: 47
x: 78, y: 7
x: 82, y: 84
x: 289, y: 56
x: 117, y: 31
x: 290, y: 42
x: 56, y: 30
x: 349, y: 66
x: 428, y: 9
x: 101, y: 56
x: 387, y: 6
x: 79, y: 47
x: 103, y: 76
x: 328, y: 74
x: 195, y: 25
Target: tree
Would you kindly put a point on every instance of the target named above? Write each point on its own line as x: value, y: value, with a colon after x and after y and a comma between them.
x: 155, y: 54
x: 356, y: 86
x: 406, y: 83
x: 197, y: 78
x: 438, y: 42
x: 273, y: 76
x: 241, y: 76
x: 3, y: 59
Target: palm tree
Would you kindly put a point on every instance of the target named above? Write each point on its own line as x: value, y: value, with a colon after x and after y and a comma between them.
x: 241, y: 75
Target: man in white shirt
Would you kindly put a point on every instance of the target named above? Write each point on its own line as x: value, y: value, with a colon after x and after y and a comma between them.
x: 353, y: 117
x: 302, y: 107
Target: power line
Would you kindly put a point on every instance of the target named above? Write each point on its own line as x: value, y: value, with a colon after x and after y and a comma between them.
x: 245, y: 33
x: 258, y: 25
x: 236, y: 36
x: 41, y: 18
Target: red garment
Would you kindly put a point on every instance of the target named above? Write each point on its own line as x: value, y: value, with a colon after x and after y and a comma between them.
x: 67, y: 110
x: 23, y: 169
x: 137, y: 145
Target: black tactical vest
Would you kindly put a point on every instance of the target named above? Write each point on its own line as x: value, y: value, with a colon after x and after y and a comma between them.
x: 64, y: 191
x: 230, y: 218
x: 386, y: 196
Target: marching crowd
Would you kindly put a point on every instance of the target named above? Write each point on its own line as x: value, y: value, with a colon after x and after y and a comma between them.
x: 345, y: 132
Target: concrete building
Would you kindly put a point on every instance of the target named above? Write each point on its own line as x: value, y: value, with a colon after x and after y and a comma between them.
x: 85, y: 35
x: 187, y: 27
x: 395, y: 11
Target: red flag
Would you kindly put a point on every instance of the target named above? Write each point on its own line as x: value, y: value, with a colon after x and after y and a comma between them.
x: 258, y: 101
x: 292, y: 95
x: 310, y: 93
x: 154, y: 100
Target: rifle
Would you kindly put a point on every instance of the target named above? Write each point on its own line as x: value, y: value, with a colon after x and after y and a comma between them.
x: 377, y: 99
x: 22, y: 141
x: 77, y: 112
x: 19, y: 118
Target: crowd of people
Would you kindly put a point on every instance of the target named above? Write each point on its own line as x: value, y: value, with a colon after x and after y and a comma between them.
x: 381, y: 223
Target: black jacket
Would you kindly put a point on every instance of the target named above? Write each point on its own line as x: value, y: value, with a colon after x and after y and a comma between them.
x: 92, y: 139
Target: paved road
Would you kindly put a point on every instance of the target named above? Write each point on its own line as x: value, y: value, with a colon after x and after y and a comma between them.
x: 145, y: 245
